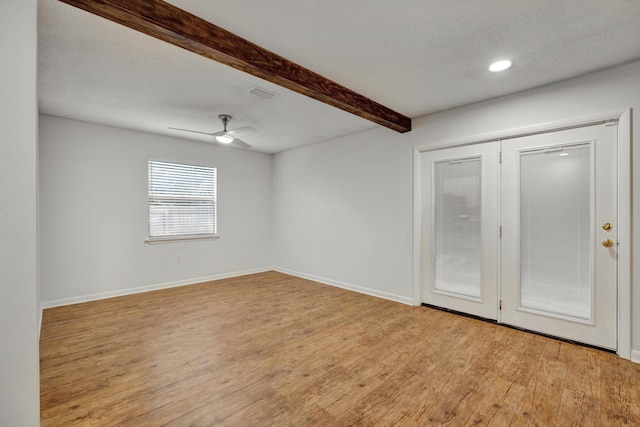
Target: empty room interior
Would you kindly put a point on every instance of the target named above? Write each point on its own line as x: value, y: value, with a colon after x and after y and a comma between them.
x: 320, y: 213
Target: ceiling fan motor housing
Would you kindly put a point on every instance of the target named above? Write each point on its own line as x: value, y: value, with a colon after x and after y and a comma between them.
x: 225, y: 120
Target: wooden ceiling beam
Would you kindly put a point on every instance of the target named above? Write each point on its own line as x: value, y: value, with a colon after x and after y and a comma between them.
x: 176, y: 26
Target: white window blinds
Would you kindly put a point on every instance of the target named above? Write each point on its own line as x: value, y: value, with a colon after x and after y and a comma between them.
x: 182, y: 201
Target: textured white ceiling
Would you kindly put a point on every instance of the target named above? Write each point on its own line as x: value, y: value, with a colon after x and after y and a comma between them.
x: 414, y: 56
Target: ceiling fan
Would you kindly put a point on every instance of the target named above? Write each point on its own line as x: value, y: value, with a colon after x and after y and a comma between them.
x: 227, y: 136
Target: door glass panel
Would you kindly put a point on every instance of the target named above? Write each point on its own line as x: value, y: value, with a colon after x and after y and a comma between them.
x: 457, y: 227
x: 555, y: 237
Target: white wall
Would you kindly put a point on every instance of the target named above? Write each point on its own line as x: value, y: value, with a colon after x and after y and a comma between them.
x: 352, y: 197
x: 19, y: 308
x: 343, y: 212
x: 93, y: 209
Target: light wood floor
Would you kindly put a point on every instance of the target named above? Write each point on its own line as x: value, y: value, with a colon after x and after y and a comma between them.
x: 271, y: 349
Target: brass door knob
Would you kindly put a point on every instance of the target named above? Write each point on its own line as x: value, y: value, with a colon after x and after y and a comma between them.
x: 607, y: 226
x: 607, y: 243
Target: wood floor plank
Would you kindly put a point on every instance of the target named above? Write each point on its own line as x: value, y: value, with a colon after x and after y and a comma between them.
x: 273, y: 349
x: 499, y: 405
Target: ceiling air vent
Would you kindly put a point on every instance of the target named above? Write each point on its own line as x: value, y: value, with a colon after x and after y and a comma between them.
x: 262, y: 93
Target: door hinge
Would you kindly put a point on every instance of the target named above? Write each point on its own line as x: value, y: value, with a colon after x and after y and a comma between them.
x: 611, y: 123
x: 500, y: 304
x: 501, y: 232
x: 500, y: 157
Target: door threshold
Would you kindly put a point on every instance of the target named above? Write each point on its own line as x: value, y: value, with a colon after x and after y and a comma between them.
x: 495, y: 322
x: 460, y: 313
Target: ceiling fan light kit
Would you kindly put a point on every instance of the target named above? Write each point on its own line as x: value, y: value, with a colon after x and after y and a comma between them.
x: 224, y: 139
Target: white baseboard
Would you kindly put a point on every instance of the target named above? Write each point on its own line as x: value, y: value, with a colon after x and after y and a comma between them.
x: 348, y: 286
x: 139, y: 289
x: 635, y: 356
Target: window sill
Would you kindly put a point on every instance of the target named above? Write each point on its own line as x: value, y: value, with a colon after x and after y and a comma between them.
x: 180, y: 239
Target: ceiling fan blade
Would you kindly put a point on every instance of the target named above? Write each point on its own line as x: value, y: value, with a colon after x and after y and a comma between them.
x: 193, y: 131
x: 245, y: 130
x: 219, y: 133
x: 240, y: 143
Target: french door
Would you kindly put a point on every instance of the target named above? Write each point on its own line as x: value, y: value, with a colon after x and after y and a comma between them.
x: 559, y: 234
x: 529, y: 241
x: 460, y: 216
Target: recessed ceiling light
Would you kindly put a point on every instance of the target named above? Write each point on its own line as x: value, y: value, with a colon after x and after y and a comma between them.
x: 500, y: 65
x: 563, y: 154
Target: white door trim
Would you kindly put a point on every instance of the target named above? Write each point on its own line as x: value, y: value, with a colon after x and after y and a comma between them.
x: 624, y: 235
x: 624, y: 203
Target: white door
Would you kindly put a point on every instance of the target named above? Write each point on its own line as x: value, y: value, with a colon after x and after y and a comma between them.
x: 559, y: 234
x: 459, y: 232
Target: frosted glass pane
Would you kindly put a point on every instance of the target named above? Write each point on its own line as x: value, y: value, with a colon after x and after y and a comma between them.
x: 555, y: 218
x: 457, y: 227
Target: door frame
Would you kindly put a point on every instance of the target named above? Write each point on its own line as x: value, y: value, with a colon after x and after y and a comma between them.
x: 624, y: 204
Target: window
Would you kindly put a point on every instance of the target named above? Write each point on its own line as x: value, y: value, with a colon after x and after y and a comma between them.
x: 182, y: 201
